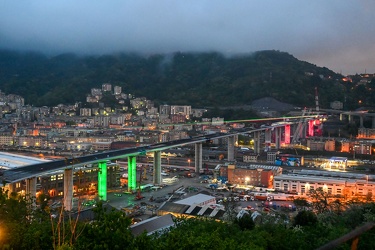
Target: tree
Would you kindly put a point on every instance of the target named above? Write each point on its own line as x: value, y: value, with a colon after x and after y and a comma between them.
x: 109, y: 230
x: 301, y: 203
x: 320, y: 200
x: 245, y: 222
x: 305, y: 218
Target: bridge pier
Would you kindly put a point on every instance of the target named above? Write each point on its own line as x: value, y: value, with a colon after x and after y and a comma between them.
x: 310, y: 130
x: 277, y: 137
x: 31, y: 190
x: 341, y: 116
x: 350, y: 118
x: 102, y: 181
x: 198, y: 157
x: 287, y: 134
x: 157, y: 168
x: 373, y: 122
x: 257, y: 142
x: 231, y: 142
x: 132, y: 173
x: 11, y: 188
x: 68, y: 189
x: 361, y: 121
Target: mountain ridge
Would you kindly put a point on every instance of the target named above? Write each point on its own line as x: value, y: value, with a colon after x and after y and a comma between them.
x: 197, y: 79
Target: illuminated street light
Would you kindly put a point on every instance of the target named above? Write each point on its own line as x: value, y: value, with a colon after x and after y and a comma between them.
x: 307, y: 187
x: 247, y: 179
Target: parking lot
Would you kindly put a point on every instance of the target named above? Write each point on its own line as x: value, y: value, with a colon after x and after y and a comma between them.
x: 183, y: 188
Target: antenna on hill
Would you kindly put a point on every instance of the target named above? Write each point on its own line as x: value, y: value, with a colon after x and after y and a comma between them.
x: 316, y: 99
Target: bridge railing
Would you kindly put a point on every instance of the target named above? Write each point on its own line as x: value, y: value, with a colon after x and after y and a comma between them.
x: 353, y: 235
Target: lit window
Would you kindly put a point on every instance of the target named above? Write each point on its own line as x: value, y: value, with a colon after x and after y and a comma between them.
x: 53, y: 177
x: 60, y: 176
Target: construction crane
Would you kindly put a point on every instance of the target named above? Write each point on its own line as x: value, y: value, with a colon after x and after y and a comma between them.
x: 300, y: 126
x: 139, y: 196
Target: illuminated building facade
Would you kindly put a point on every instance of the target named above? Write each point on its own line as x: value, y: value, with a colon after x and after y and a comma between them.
x: 85, y: 181
x: 345, y: 187
x: 252, y: 174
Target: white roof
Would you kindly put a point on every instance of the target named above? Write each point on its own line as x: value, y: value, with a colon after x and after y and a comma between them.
x: 195, y: 199
x: 8, y: 160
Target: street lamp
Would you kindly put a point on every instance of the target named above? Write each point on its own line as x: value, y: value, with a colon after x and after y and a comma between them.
x: 307, y: 188
x: 247, y: 180
x: 325, y: 188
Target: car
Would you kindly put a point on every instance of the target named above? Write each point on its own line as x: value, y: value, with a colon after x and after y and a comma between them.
x: 89, y: 203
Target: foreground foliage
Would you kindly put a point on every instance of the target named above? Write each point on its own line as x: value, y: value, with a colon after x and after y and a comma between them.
x: 24, y: 228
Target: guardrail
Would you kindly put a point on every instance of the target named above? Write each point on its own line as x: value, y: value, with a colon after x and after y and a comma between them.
x: 353, y: 235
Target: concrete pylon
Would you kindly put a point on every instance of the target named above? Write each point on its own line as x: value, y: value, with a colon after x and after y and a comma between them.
x: 31, y: 190
x: 350, y: 118
x: 11, y: 188
x: 157, y: 168
x: 257, y: 142
x: 287, y: 134
x: 231, y: 142
x: 68, y: 189
x: 361, y: 121
x: 102, y: 181
x: 132, y: 173
x: 277, y: 137
x: 198, y: 157
x: 373, y: 122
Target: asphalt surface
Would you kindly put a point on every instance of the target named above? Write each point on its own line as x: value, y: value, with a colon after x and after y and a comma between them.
x: 192, y: 186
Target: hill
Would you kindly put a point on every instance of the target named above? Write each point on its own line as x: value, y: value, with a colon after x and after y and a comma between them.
x: 197, y: 79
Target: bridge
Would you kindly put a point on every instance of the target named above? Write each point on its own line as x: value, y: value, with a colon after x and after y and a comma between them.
x: 30, y: 173
x: 350, y: 114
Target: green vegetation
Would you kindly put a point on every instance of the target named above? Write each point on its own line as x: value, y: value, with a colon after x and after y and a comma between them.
x: 197, y: 79
x: 24, y: 228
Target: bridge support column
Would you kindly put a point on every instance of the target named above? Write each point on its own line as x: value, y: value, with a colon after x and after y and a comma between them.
x: 132, y: 173
x: 198, y: 157
x: 267, y: 140
x: 277, y: 137
x: 373, y: 122
x: 350, y: 118
x: 341, y: 117
x: 11, y: 188
x: 287, y: 134
x: 31, y: 190
x: 231, y: 141
x: 257, y: 142
x: 361, y: 121
x: 68, y: 189
x: 310, y: 130
x: 157, y: 168
x: 102, y: 181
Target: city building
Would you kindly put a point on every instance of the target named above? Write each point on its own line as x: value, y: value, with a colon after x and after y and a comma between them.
x: 336, y: 105
x: 345, y: 186
x: 106, y: 87
x: 249, y: 174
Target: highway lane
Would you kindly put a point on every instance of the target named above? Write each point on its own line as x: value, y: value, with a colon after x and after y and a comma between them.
x: 34, y: 170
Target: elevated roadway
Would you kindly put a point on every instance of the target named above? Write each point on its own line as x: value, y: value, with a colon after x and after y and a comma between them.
x: 32, y: 171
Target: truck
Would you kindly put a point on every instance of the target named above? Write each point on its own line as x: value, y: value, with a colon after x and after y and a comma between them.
x: 213, y: 186
x: 188, y: 174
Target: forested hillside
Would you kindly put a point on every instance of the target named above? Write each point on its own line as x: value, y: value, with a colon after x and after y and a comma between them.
x: 197, y: 79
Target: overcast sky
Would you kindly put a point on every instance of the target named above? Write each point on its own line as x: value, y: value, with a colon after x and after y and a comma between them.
x: 338, y: 34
